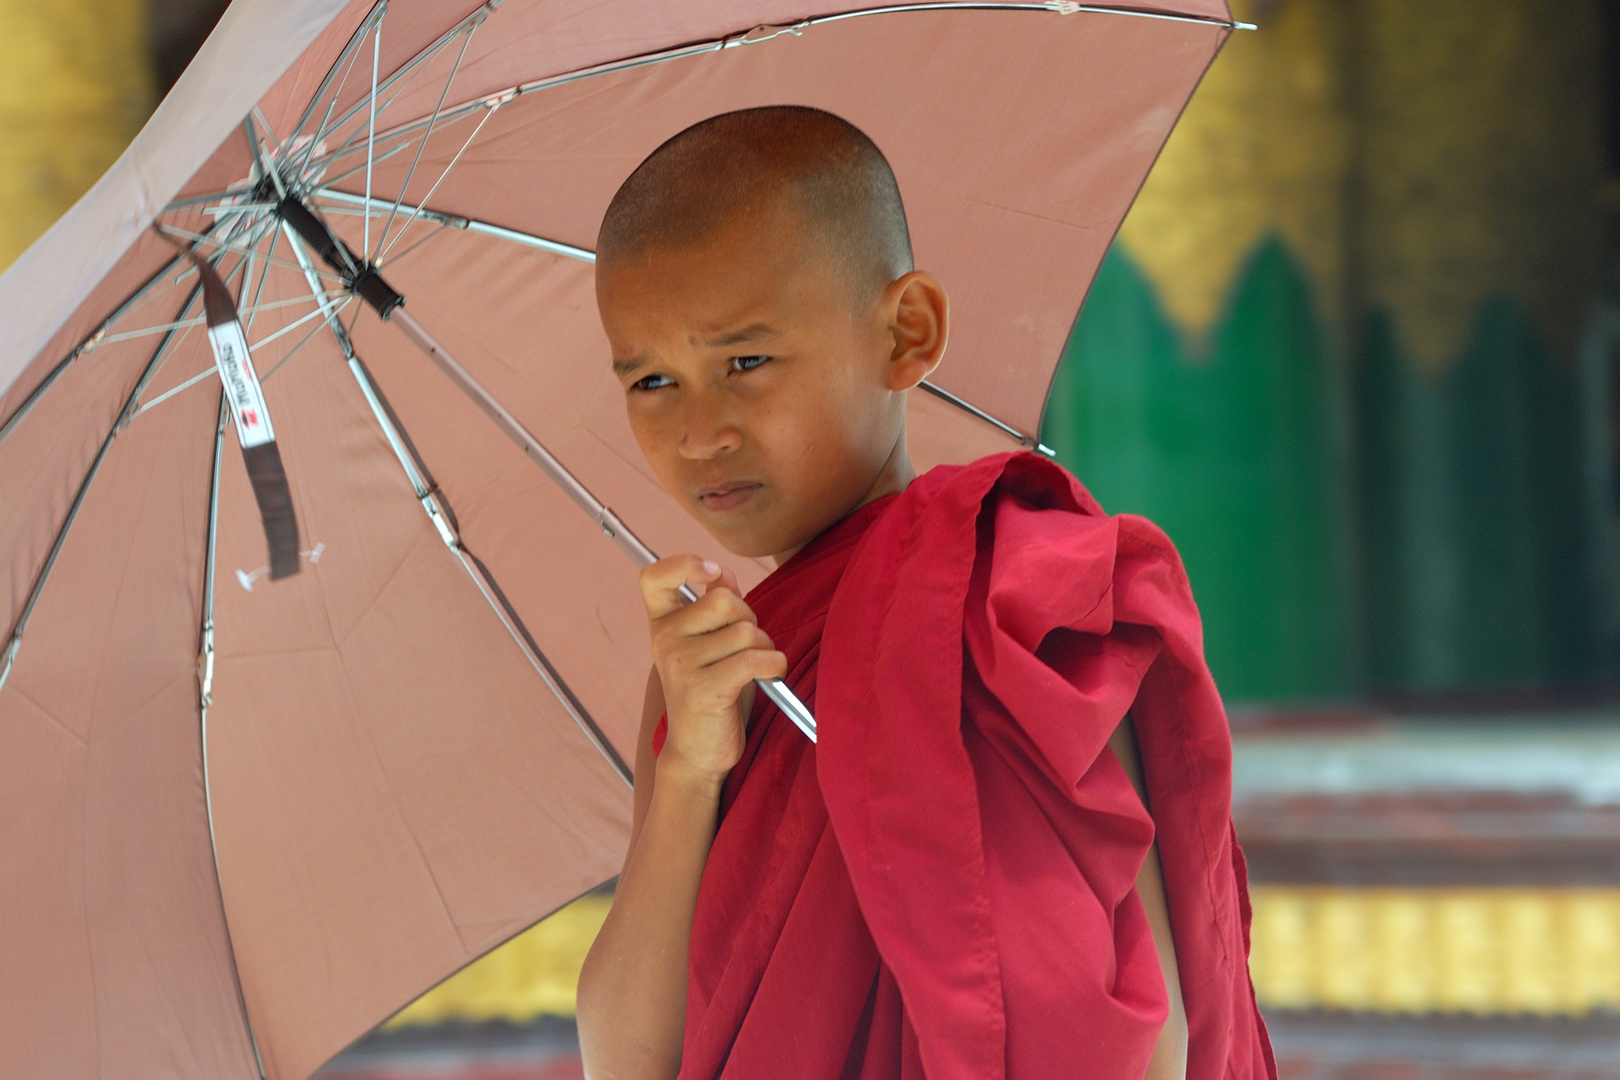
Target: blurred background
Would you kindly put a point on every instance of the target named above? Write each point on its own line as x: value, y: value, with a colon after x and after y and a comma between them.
x: 1357, y: 349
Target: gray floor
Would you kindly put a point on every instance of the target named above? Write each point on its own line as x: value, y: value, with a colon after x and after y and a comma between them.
x: 1309, y: 1047
x: 1575, y: 754
x: 1327, y: 1047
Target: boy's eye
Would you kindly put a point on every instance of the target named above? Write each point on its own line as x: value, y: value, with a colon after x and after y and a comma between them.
x: 652, y: 382
x: 747, y: 363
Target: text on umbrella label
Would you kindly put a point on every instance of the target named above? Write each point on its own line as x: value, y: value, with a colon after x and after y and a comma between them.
x: 241, y: 384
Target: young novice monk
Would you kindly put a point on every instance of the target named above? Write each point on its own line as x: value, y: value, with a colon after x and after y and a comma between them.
x: 974, y: 874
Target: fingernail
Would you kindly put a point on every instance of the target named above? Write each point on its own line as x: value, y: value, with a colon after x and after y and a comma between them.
x: 710, y: 568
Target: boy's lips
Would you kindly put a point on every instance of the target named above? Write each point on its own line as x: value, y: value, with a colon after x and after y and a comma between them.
x: 728, y: 496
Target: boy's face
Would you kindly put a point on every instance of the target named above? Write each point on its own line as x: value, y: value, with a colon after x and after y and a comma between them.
x: 761, y: 389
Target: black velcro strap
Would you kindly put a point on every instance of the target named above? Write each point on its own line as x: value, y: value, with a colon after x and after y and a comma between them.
x: 269, y: 482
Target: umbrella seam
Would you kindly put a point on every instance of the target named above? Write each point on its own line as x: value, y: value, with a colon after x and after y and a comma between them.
x: 89, y: 342
x: 39, y: 707
x: 89, y: 947
x: 37, y: 589
x: 410, y: 553
x: 205, y: 654
x: 393, y: 798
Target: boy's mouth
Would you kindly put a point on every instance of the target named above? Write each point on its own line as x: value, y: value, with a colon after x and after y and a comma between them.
x: 728, y: 496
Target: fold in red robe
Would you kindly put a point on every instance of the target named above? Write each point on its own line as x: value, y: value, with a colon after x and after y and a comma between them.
x: 944, y: 886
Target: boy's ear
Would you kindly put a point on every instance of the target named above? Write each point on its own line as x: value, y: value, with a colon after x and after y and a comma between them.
x: 919, y: 322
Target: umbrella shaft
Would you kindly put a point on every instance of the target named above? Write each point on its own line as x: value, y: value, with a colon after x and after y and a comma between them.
x: 774, y: 689
x: 508, y: 423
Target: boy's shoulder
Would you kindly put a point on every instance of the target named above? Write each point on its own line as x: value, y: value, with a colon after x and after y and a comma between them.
x: 1013, y: 546
x: 1020, y: 512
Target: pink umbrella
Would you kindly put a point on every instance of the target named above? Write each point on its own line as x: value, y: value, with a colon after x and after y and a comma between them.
x: 243, y: 820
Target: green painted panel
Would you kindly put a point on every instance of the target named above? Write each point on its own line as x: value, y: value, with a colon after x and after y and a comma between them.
x: 1236, y: 454
x: 1459, y: 551
x: 1475, y: 530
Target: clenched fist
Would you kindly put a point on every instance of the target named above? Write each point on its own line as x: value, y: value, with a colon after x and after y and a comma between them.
x: 708, y: 655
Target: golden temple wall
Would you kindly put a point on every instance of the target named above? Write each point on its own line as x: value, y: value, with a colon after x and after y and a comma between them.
x: 74, y: 89
x: 1417, y: 156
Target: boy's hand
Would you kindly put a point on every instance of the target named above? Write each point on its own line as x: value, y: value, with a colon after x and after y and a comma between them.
x: 708, y: 655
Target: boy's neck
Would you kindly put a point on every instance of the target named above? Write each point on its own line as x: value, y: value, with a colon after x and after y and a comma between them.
x: 895, y: 476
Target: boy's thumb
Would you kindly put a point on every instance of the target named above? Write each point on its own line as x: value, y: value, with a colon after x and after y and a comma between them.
x: 727, y: 580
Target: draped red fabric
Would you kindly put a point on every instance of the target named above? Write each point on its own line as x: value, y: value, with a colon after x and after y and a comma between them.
x: 944, y: 886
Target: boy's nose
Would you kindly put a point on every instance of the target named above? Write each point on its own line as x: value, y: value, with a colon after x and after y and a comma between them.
x: 708, y: 435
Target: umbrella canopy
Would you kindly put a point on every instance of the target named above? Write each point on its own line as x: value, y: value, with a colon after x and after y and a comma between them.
x: 243, y: 821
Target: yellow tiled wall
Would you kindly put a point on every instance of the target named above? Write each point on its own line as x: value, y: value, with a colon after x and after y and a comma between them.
x: 1444, y: 950
x: 1384, y: 950
x: 532, y: 975
x: 74, y: 89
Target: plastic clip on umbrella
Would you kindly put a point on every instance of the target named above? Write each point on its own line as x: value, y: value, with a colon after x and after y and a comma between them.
x: 242, y: 824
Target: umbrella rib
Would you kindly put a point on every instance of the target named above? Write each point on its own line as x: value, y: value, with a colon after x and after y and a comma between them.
x: 264, y: 122
x: 1029, y: 441
x: 14, y: 643
x: 205, y: 698
x: 1060, y: 7
x: 146, y: 406
x: 444, y: 522
x: 1056, y: 7
x: 498, y: 602
x: 245, y: 268
x: 328, y: 159
x: 225, y: 245
x: 406, y: 145
x: 266, y: 172
x: 455, y: 221
x: 371, y: 134
x: 352, y: 52
x: 269, y: 253
x: 89, y: 342
x: 350, y: 49
x: 419, y: 243
x: 305, y: 340
x: 250, y: 262
x: 421, y: 146
x: 476, y: 129
x: 213, y: 196
x: 320, y: 131
x: 407, y: 72
x: 198, y: 320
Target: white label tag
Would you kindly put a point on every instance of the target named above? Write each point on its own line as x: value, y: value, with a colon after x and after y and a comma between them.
x: 241, y: 385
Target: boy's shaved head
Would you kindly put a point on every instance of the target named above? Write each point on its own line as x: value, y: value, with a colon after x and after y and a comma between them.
x: 755, y: 283
x: 707, y: 175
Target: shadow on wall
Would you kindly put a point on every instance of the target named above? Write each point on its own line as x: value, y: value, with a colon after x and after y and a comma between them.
x: 1481, y: 499
x: 175, y: 30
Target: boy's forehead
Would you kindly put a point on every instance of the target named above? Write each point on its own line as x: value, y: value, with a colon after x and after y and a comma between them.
x: 713, y: 310
x: 736, y: 277
x: 770, y: 232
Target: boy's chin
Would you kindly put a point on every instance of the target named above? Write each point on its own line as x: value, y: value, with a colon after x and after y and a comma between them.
x: 745, y: 544
x: 752, y: 539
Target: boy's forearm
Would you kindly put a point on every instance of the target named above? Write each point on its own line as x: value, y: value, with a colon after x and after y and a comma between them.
x: 632, y: 989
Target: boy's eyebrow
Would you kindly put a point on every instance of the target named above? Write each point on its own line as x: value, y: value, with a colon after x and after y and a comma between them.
x: 751, y: 332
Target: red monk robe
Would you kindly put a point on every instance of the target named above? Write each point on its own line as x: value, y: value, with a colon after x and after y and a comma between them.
x: 944, y: 886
